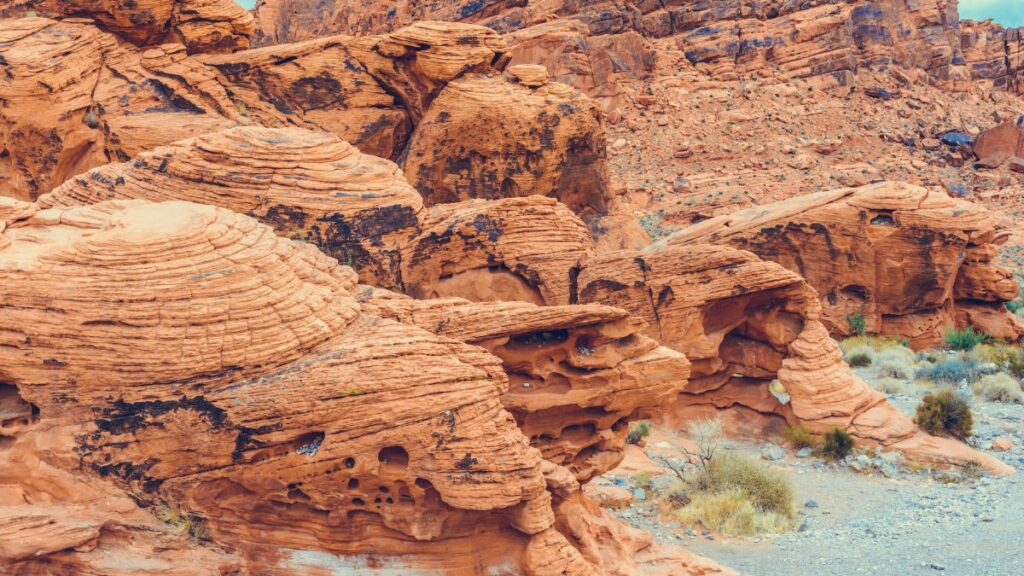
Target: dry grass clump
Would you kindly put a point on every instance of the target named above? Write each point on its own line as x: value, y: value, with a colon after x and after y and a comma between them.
x: 891, y: 386
x: 999, y: 388
x: 182, y: 521
x: 945, y: 413
x: 876, y: 343
x: 799, y: 436
x: 860, y: 356
x: 738, y: 496
x: 896, y: 362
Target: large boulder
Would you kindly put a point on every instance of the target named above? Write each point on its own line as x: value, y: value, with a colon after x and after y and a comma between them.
x: 193, y: 359
x: 307, y: 185
x: 911, y: 261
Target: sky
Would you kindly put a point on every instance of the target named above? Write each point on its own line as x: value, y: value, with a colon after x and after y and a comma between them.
x: 1005, y: 12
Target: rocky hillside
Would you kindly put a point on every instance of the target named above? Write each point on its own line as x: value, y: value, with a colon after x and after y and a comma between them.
x: 382, y: 294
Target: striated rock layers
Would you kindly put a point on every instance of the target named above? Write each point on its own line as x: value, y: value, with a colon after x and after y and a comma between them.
x: 201, y: 25
x: 592, y: 44
x: 408, y: 96
x: 741, y: 321
x: 190, y: 357
x: 911, y: 261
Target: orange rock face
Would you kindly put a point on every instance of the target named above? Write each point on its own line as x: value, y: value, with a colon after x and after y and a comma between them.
x: 391, y: 434
x: 308, y: 185
x: 591, y: 44
x: 201, y: 25
x: 909, y: 260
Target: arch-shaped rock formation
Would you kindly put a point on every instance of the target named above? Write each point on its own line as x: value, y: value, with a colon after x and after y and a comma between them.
x: 912, y: 261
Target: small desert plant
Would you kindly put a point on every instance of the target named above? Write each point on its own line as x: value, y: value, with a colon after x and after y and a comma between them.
x: 895, y: 362
x: 836, y: 444
x: 965, y: 339
x: 945, y: 413
x: 876, y: 343
x: 857, y: 323
x: 890, y: 386
x: 732, y: 512
x: 705, y: 434
x: 860, y: 356
x: 950, y: 371
x: 637, y: 432
x: 1006, y: 357
x: 999, y: 388
x: 740, y: 496
x: 799, y: 436
x: 182, y: 521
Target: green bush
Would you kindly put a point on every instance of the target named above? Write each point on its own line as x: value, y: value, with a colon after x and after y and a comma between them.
x: 965, y: 339
x: 950, y: 371
x: 945, y: 413
x: 637, y: 432
x: 799, y: 436
x: 857, y: 323
x: 837, y: 444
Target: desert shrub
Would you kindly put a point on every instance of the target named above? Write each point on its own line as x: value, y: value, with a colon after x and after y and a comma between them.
x: 950, y: 371
x: 965, y: 339
x: 733, y: 513
x: 836, y: 444
x: 738, y: 495
x: 799, y: 436
x: 637, y: 432
x: 857, y: 323
x: 945, y: 413
x: 860, y: 356
x: 876, y: 343
x: 890, y: 386
x: 1007, y: 357
x: 999, y: 388
x: 182, y: 521
x: 895, y: 362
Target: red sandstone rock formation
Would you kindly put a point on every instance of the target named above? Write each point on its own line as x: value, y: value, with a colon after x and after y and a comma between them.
x: 410, y: 95
x: 910, y: 260
x: 589, y: 43
x: 741, y: 321
x: 201, y: 25
x: 308, y: 185
x: 191, y: 357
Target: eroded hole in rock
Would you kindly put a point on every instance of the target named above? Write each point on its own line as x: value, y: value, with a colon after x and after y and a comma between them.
x: 350, y: 462
x: 883, y: 218
x: 546, y: 338
x: 423, y: 483
x: 854, y: 292
x: 309, y: 444
x: 358, y: 501
x: 393, y: 459
x: 495, y: 283
x: 353, y: 483
x: 15, y: 413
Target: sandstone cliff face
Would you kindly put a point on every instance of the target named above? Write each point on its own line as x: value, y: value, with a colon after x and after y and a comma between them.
x: 911, y: 261
x: 155, y: 357
x: 591, y: 43
x: 201, y: 25
x: 408, y: 96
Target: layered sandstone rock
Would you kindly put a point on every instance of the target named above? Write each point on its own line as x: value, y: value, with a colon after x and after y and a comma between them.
x: 551, y: 144
x: 192, y: 358
x: 592, y: 43
x: 911, y: 261
x: 516, y: 249
x: 307, y: 185
x: 410, y: 95
x: 201, y: 25
x: 577, y: 374
x: 741, y: 321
